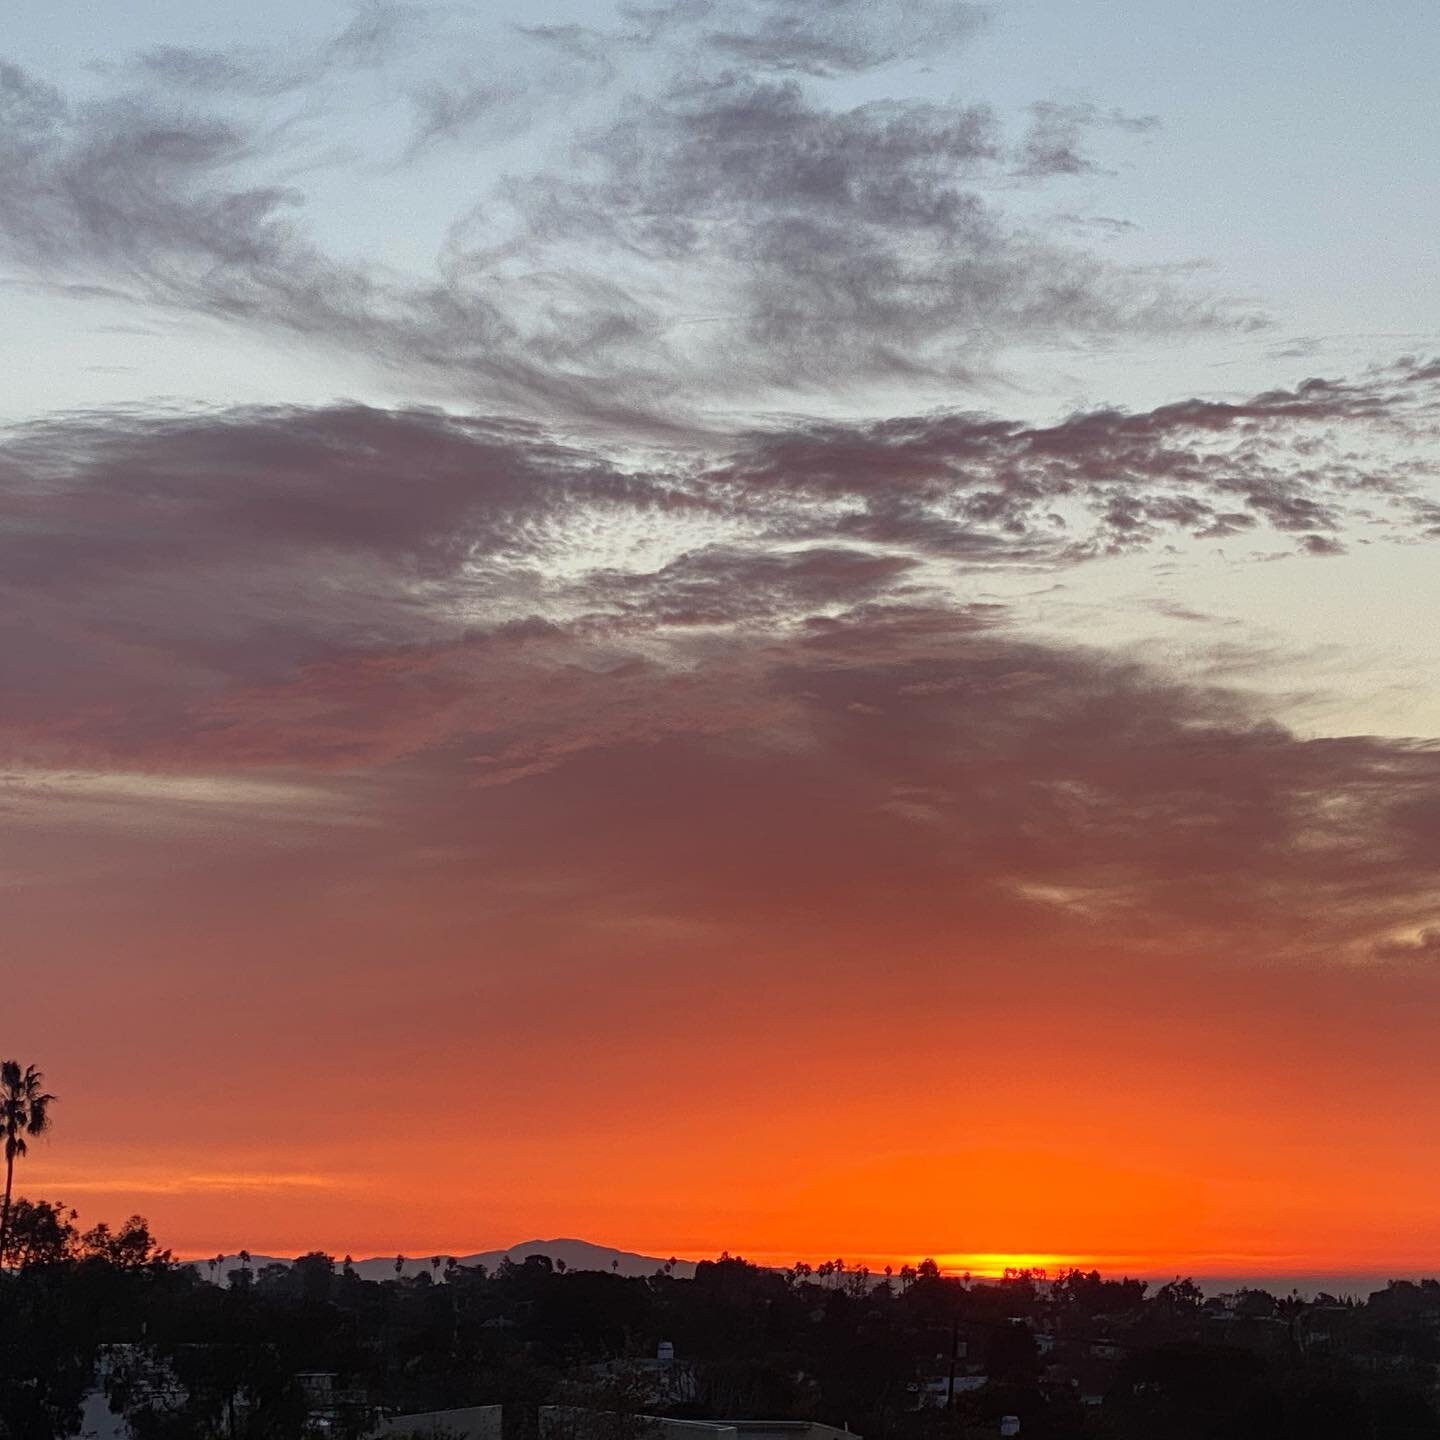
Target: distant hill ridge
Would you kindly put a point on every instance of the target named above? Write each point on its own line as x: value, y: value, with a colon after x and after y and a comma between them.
x: 577, y: 1255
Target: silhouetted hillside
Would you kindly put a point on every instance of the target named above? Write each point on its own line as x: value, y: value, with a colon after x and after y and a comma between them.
x: 574, y: 1254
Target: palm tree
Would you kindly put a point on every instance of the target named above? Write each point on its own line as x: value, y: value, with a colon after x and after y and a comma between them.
x: 24, y: 1111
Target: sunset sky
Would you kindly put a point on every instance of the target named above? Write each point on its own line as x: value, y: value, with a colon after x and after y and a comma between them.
x: 802, y: 626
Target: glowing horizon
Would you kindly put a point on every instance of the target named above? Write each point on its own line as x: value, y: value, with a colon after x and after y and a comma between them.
x: 983, y: 1266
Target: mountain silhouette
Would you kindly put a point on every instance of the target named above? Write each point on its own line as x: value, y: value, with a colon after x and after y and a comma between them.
x: 577, y: 1255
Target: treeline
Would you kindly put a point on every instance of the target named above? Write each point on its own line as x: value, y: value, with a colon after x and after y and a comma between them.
x: 913, y: 1356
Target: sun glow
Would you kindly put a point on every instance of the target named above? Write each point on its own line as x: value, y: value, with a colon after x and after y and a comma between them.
x: 990, y: 1264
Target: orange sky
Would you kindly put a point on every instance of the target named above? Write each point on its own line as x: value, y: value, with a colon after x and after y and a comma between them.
x: 1207, y: 1123
x: 943, y: 942
x: 833, y: 695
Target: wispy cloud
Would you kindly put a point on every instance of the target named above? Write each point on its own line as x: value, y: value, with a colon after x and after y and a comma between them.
x: 150, y: 1182
x: 720, y: 223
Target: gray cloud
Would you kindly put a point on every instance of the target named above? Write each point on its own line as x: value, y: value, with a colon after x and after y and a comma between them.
x: 1055, y: 142
x: 153, y: 570
x: 726, y: 233
x: 820, y: 37
x: 144, y: 201
x: 832, y: 246
x: 404, y: 611
x: 371, y: 39
x: 446, y: 110
x: 977, y: 487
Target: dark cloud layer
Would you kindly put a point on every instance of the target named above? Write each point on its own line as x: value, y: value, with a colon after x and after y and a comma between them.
x: 425, y: 610
x: 300, y: 532
x: 976, y: 485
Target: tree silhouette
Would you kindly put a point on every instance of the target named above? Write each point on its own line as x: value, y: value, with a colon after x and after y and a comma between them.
x: 24, y: 1111
x: 41, y: 1233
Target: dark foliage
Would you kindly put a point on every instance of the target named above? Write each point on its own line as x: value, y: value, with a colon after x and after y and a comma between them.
x: 918, y: 1356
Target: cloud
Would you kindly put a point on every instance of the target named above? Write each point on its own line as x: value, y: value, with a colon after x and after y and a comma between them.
x: 436, y: 635
x: 827, y: 246
x: 820, y: 37
x: 1422, y: 945
x: 726, y: 584
x: 720, y: 224
x: 140, y: 197
x: 172, y: 581
x: 907, y: 772
x: 369, y: 41
x: 446, y: 110
x: 980, y: 488
x: 150, y: 559
x: 182, y: 1183
x: 126, y: 190
x: 1054, y: 143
